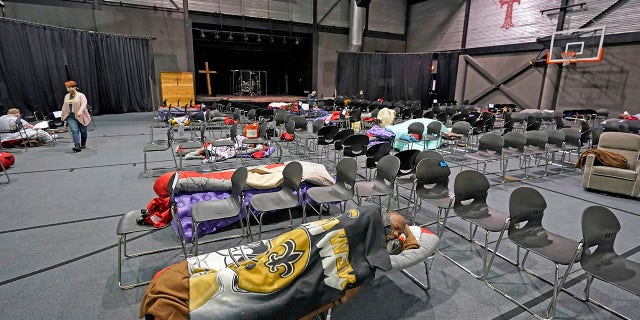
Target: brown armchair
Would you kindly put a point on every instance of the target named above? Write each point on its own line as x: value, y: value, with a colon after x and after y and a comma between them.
x: 617, y: 180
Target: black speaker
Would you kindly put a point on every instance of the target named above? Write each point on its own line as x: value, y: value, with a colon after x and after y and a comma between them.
x: 363, y: 3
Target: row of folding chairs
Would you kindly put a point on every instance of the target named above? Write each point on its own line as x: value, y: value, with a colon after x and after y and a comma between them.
x: 539, y: 145
x: 523, y: 226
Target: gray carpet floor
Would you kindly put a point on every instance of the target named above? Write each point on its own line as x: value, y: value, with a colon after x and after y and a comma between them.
x: 59, y: 258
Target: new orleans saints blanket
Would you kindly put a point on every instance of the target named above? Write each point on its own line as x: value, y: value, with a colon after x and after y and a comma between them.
x: 286, y: 277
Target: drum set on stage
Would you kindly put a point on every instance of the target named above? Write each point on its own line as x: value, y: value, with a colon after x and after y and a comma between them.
x: 249, y: 82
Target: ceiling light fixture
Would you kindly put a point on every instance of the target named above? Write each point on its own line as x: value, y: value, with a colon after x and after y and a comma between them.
x: 230, y: 36
x: 216, y: 36
x: 297, y: 41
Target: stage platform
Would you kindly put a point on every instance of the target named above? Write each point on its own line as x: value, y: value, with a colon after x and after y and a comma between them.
x: 251, y: 99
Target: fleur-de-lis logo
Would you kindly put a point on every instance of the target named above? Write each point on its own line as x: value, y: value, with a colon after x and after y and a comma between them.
x: 284, y: 261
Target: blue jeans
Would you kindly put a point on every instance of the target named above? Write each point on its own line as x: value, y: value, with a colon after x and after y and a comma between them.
x: 78, y: 131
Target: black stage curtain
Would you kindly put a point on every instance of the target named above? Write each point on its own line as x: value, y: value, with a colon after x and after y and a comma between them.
x: 35, y: 60
x: 446, y: 76
x: 381, y: 75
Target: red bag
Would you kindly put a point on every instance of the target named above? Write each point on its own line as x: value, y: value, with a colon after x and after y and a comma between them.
x: 7, y: 159
x: 286, y: 136
x: 228, y: 120
x: 251, y: 131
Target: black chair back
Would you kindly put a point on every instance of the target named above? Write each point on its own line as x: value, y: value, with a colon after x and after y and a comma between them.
x: 355, y: 145
x: 292, y: 175
x: 238, y: 180
x: 376, y: 152
x: 526, y: 205
x: 471, y: 189
x: 407, y: 159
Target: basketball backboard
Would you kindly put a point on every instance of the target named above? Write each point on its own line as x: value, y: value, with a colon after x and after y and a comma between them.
x: 586, y: 43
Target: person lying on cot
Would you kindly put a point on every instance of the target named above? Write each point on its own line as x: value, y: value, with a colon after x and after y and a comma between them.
x: 399, y: 238
x: 398, y: 235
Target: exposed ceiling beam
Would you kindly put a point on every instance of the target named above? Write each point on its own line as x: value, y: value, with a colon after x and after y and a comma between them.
x: 175, y: 5
x: 329, y: 11
x: 412, y: 2
x: 603, y: 13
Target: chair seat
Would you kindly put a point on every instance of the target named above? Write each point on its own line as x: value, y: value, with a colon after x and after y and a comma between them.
x: 223, y: 143
x: 190, y: 145
x: 431, y: 138
x: 406, y: 180
x: 554, y: 149
x: 440, y: 199
x: 254, y: 141
x: 128, y: 224
x: 615, y: 172
x: 273, y: 201
x: 306, y: 135
x: 488, y: 219
x: 155, y: 147
x: 507, y: 152
x: 534, y: 150
x: 371, y: 188
x: 328, y: 194
x: 616, y: 270
x: 552, y: 246
x: 215, y: 209
x: 482, y: 156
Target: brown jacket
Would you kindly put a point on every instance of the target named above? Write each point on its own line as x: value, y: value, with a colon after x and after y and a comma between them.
x: 603, y: 157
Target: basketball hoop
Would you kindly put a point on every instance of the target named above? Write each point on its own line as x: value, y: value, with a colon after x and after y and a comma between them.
x: 566, y: 57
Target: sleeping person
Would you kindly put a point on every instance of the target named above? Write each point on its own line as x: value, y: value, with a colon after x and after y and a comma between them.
x: 398, y: 235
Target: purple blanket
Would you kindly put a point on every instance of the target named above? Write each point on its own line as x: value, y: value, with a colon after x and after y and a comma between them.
x: 186, y: 201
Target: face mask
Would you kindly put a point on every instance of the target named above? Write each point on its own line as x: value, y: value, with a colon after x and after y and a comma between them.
x: 69, y: 90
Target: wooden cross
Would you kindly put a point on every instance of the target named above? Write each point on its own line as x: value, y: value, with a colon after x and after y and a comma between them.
x: 207, y: 72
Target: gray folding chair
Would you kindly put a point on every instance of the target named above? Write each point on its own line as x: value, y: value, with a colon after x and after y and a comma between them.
x: 416, y: 128
x: 374, y: 154
x: 514, y: 143
x: 534, y: 148
x: 229, y: 143
x: 203, y: 211
x: 288, y: 197
x: 384, y: 182
x: 462, y: 128
x: 525, y: 230
x: 152, y: 147
x: 554, y: 145
x: 434, y: 133
x: 471, y: 189
x: 489, y: 149
x: 572, y: 143
x: 431, y: 184
x: 341, y: 191
x: 129, y: 226
x: 599, y: 229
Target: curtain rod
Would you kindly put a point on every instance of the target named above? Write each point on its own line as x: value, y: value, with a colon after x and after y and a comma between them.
x: 401, y: 53
x: 72, y: 29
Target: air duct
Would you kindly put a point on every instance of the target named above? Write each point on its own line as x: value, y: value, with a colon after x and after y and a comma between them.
x: 356, y: 27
